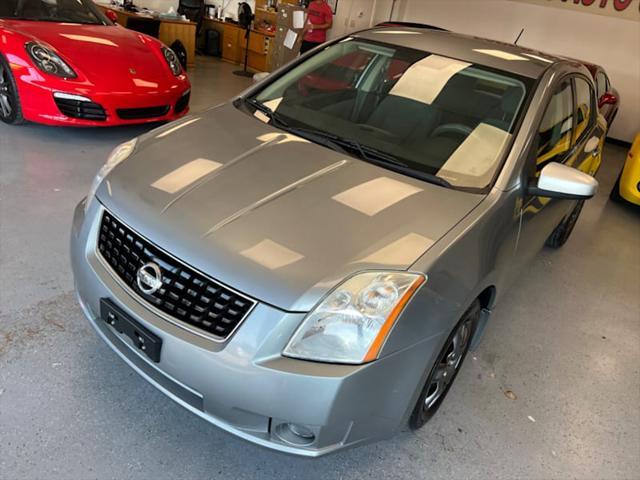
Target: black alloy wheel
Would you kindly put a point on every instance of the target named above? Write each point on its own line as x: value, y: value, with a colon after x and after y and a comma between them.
x: 10, y: 111
x: 446, y: 368
x: 562, y: 232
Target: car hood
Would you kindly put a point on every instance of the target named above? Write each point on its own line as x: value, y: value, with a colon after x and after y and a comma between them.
x: 273, y: 215
x: 109, y: 57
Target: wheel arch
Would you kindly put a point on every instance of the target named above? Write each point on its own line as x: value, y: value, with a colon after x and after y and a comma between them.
x: 487, y: 297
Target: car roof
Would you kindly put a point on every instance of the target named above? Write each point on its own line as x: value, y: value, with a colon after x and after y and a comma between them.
x: 482, y: 51
x: 592, y: 67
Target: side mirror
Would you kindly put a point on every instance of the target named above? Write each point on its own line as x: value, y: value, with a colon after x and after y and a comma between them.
x: 559, y: 181
x: 111, y: 15
x: 607, y: 99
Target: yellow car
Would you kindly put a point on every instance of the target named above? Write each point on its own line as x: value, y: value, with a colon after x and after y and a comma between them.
x: 628, y: 185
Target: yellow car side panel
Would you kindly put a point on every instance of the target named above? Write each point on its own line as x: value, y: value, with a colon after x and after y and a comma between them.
x: 630, y: 178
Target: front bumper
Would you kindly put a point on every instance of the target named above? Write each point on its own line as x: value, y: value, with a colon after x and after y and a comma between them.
x: 244, y: 385
x: 39, y: 103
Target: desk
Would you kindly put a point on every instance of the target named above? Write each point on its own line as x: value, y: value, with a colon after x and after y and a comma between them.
x: 170, y: 30
x: 233, y: 43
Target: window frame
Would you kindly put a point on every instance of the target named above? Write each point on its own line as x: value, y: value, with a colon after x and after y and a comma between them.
x: 593, y: 110
x: 530, y: 169
x: 567, y: 79
x: 600, y: 73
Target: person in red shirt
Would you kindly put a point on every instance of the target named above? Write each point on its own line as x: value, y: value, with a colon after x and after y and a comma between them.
x: 320, y: 19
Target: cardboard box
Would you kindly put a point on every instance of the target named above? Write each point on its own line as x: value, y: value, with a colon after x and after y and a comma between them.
x: 281, y: 54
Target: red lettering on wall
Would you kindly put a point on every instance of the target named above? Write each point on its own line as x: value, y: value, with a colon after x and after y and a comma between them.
x: 620, y: 5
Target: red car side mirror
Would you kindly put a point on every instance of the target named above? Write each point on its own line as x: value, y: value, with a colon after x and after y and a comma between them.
x: 608, y: 99
x: 111, y: 15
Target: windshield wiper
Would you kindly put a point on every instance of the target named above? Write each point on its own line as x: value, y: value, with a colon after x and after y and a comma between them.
x: 310, y: 134
x: 275, y: 117
x: 343, y: 145
x: 378, y: 157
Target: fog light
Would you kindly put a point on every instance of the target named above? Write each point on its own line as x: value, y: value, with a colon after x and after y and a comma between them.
x: 295, y: 434
x: 301, y: 431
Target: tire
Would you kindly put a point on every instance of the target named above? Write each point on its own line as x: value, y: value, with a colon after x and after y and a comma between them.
x: 615, y: 191
x: 562, y: 232
x: 181, y: 53
x: 446, y: 368
x: 10, y: 109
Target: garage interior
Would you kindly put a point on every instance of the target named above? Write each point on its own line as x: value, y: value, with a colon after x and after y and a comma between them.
x: 553, y: 391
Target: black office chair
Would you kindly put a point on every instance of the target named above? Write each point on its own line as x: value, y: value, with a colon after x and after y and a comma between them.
x: 194, y: 11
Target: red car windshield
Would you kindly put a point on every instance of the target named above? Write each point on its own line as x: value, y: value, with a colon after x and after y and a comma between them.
x: 66, y: 11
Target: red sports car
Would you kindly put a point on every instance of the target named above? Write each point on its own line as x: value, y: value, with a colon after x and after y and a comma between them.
x: 63, y: 62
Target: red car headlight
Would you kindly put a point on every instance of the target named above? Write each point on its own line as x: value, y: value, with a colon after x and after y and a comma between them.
x: 172, y: 61
x: 48, y: 61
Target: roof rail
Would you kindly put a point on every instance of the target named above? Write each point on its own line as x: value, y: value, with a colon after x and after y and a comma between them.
x: 411, y: 25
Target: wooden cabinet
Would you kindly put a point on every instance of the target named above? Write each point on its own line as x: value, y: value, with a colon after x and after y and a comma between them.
x: 259, y: 49
x: 168, y: 30
x: 185, y: 33
x: 233, y: 44
x: 231, y: 37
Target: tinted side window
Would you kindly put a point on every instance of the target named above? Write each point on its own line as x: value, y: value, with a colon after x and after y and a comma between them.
x: 601, y: 82
x: 554, y: 133
x: 585, y: 103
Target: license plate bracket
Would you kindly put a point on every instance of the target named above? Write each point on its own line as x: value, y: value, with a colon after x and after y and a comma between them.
x: 143, y: 339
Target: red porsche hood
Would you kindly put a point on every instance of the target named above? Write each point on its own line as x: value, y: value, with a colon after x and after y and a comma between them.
x: 108, y: 56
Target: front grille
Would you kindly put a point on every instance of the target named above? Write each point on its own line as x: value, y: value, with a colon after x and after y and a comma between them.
x: 186, y: 294
x: 81, y: 109
x: 142, y: 113
x: 182, y: 104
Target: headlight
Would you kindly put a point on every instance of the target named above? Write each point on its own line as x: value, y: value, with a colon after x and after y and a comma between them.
x: 48, y: 61
x: 120, y: 153
x: 172, y: 60
x: 352, y: 323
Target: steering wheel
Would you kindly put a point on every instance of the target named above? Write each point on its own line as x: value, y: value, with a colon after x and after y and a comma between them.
x: 458, y: 129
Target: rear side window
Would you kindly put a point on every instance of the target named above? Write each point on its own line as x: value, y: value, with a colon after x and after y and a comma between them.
x: 601, y: 81
x: 585, y: 107
x: 555, y: 131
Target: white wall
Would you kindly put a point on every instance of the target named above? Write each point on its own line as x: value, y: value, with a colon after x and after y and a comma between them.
x: 381, y: 11
x: 231, y: 6
x: 611, y: 42
x: 350, y: 16
x: 158, y: 5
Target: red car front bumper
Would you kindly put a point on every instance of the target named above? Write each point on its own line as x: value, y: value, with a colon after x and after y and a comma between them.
x: 62, y: 102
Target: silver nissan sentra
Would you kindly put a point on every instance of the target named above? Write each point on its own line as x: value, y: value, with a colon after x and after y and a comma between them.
x: 307, y: 265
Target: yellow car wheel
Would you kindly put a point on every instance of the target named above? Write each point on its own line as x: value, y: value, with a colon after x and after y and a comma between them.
x: 615, y: 191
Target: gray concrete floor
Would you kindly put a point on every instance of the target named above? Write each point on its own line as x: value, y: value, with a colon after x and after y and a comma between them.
x: 566, y: 341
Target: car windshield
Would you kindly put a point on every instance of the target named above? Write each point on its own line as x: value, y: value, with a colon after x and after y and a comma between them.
x: 67, y: 11
x: 423, y: 114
